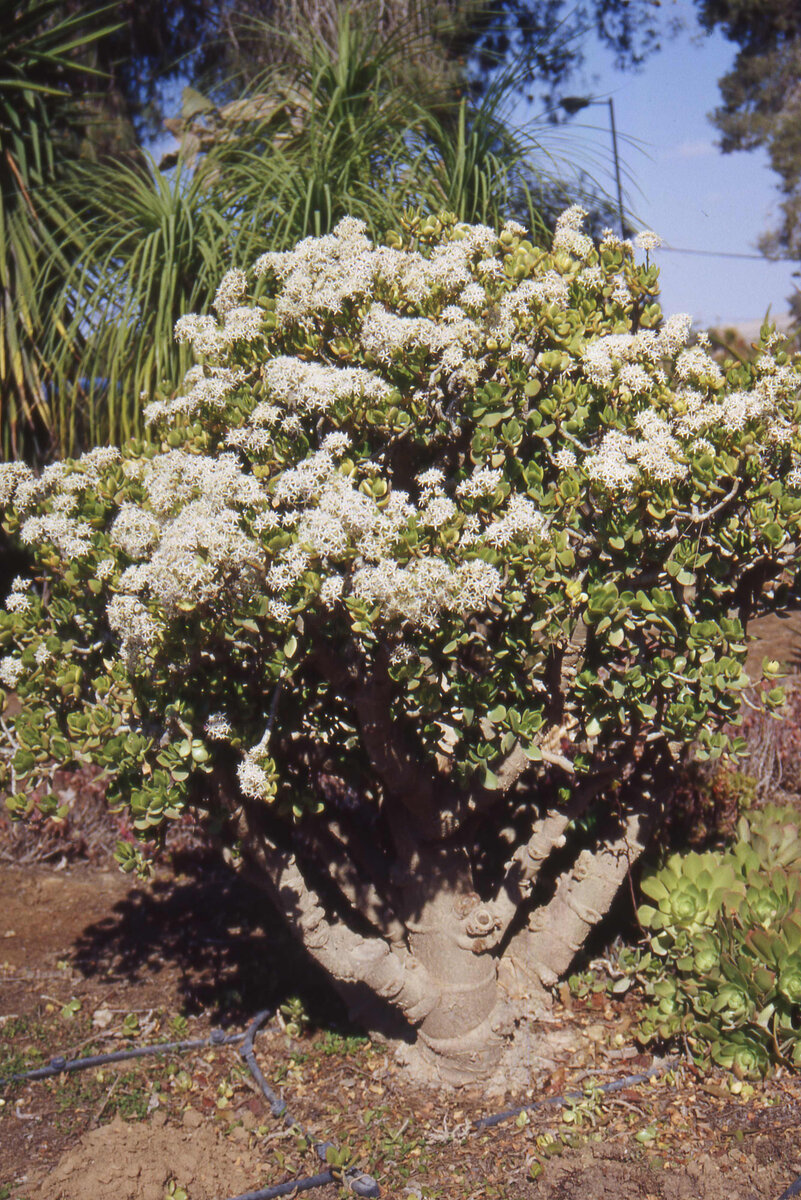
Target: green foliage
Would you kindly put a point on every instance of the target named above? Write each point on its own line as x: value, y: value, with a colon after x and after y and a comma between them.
x: 39, y: 74
x: 724, y: 964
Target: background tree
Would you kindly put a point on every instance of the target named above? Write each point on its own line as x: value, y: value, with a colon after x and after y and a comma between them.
x: 41, y: 123
x: 762, y: 101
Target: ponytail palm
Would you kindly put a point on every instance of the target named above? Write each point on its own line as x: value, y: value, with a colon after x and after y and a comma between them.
x: 37, y: 114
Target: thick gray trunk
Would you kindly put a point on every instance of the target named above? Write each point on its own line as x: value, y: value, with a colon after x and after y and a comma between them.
x: 462, y: 1006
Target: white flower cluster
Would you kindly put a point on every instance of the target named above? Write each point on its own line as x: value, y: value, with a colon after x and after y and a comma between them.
x: 206, y: 389
x: 218, y: 728
x: 312, y: 387
x: 568, y: 235
x: 617, y: 464
x: 694, y: 364
x: 522, y: 522
x: 647, y: 240
x: 619, y: 357
x: 483, y: 482
x: 420, y: 592
x: 346, y: 519
x: 11, y: 475
x: 210, y: 339
x: 173, y: 479
x: 202, y: 555
x: 137, y: 629
x: 255, y: 782
x: 134, y: 531
x: 231, y: 291
x: 11, y: 670
x: 71, y: 538
x: 18, y: 599
x: 528, y: 297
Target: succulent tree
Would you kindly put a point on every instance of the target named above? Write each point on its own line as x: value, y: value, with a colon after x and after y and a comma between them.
x: 445, y: 550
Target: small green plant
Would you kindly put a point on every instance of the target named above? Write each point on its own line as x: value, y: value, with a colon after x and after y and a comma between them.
x: 178, y: 1025
x: 130, y: 1025
x: 723, y: 967
x: 295, y: 1017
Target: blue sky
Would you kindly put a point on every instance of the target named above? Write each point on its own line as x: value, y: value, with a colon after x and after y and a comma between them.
x: 678, y: 183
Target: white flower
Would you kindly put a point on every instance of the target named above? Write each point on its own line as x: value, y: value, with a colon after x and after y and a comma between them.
x: 231, y: 290
x: 138, y: 630
x: 483, y: 482
x: 42, y: 655
x: 694, y: 363
x: 11, y: 670
x: 17, y: 602
x: 11, y: 475
x: 218, y: 728
x: 438, y: 511
x: 331, y: 590
x: 647, y: 240
x: 515, y: 229
x: 278, y: 611
x: 565, y: 459
x: 522, y: 521
x: 254, y: 781
x: 430, y: 481
x: 611, y: 466
x: 336, y: 444
x: 69, y: 537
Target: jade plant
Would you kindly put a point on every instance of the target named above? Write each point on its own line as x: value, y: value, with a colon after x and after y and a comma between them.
x: 417, y: 589
x: 724, y: 964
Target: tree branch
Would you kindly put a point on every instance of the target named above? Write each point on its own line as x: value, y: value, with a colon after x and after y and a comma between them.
x: 540, y: 954
x: 335, y: 853
x: 346, y: 956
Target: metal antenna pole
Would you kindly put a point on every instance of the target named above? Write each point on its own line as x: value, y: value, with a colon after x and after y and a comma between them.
x: 617, y: 167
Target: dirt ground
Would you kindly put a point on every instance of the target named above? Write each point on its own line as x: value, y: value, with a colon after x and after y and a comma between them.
x: 90, y: 961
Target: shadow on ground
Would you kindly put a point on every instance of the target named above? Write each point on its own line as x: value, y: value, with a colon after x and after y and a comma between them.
x: 212, y: 937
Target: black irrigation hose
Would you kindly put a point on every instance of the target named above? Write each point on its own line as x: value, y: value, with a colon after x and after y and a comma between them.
x: 355, y: 1181
x: 58, y: 1065
x: 560, y: 1101
x: 793, y: 1190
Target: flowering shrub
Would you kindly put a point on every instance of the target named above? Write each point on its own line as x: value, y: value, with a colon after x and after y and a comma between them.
x: 444, y: 543
x: 724, y: 965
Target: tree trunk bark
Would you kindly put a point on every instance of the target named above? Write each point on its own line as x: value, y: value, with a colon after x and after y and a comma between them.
x: 441, y: 989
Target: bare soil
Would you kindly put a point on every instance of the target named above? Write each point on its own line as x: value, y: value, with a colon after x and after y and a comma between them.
x: 90, y: 961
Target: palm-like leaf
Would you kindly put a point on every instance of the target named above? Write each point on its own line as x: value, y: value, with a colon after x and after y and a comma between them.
x: 147, y: 247
x: 37, y: 48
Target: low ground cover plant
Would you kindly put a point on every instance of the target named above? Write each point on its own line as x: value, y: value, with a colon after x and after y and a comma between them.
x: 724, y: 964
x: 418, y: 590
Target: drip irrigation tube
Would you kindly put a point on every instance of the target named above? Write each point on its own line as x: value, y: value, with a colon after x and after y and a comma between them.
x: 793, y: 1190
x: 59, y: 1065
x: 560, y: 1101
x: 354, y: 1180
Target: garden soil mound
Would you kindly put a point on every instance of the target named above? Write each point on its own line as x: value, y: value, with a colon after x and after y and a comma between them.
x: 137, y: 1162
